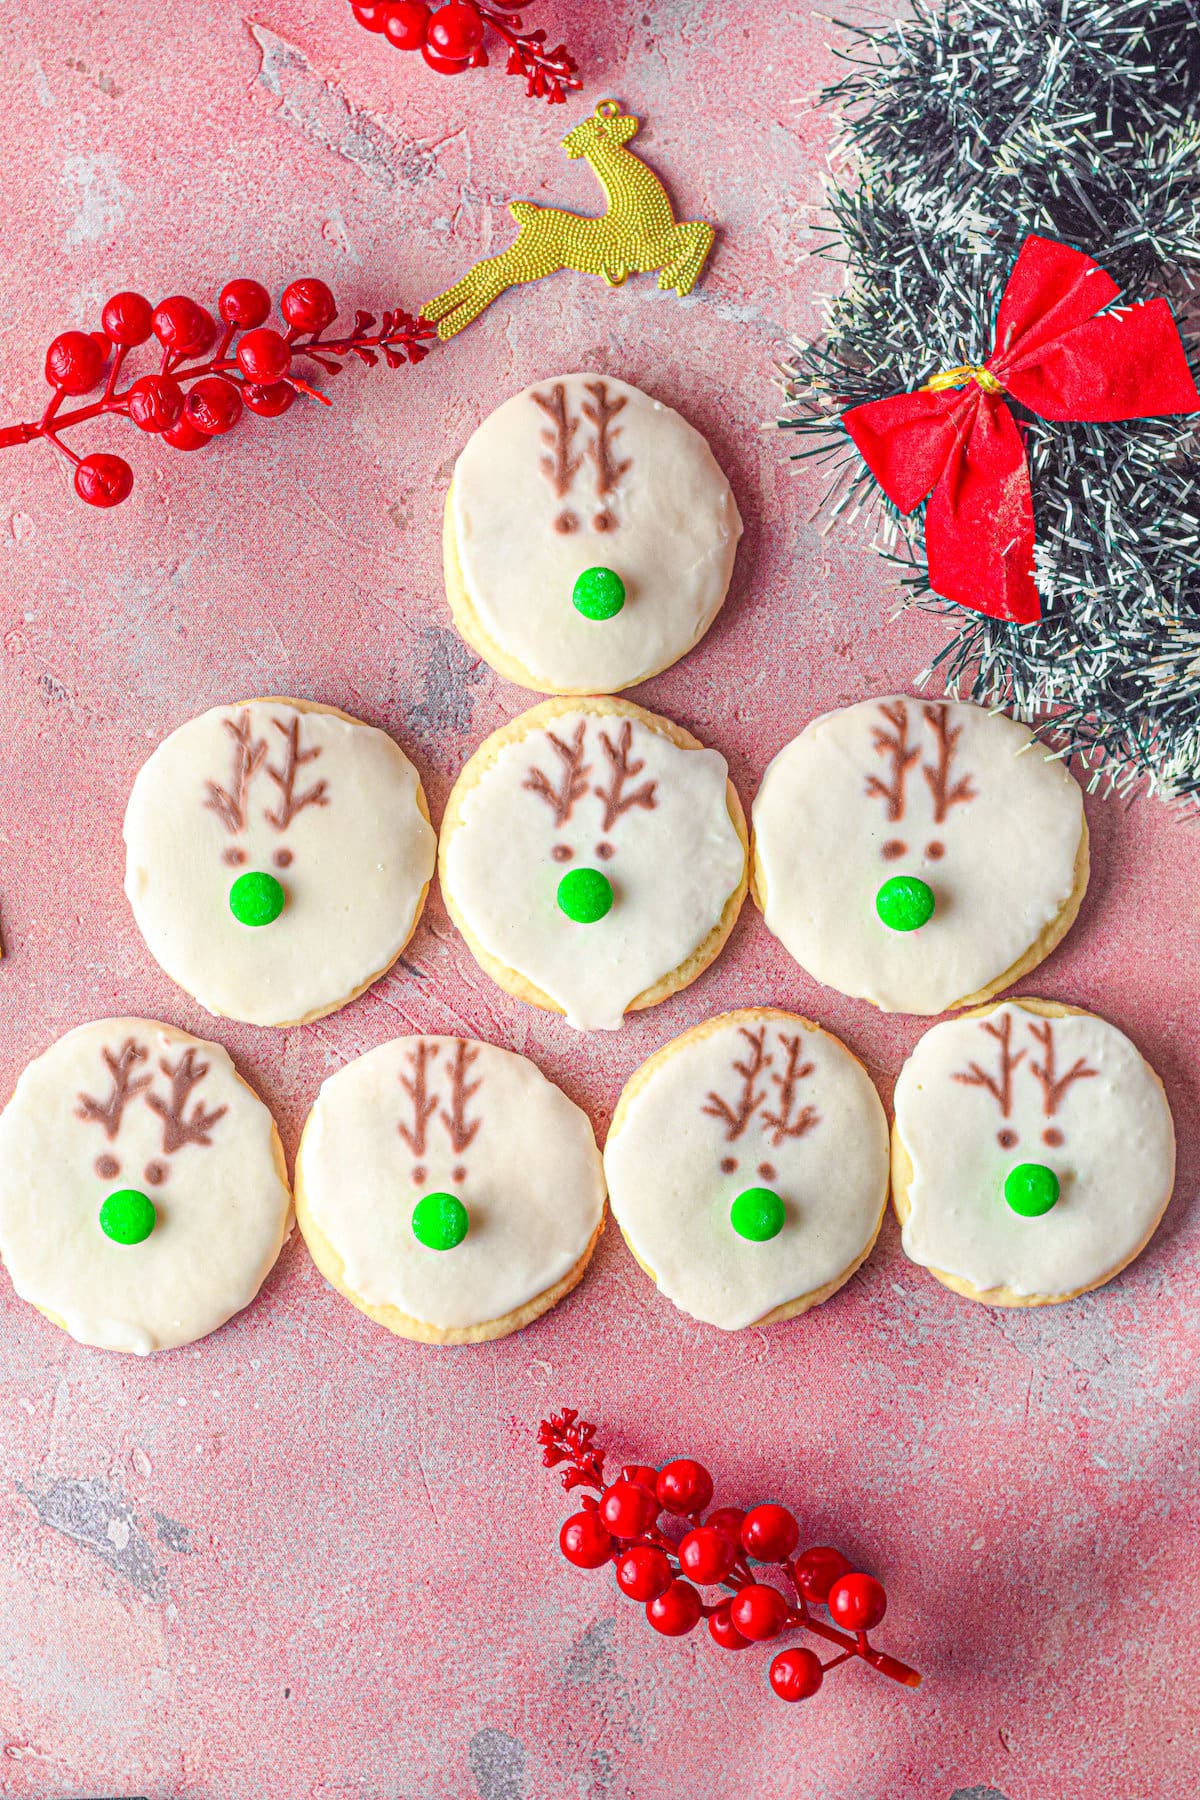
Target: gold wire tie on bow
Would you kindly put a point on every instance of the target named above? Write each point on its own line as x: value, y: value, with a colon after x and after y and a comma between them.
x: 959, y: 377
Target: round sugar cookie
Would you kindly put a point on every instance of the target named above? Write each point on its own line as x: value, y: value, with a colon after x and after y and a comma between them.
x: 589, y: 537
x: 594, y: 857
x: 747, y: 1167
x: 922, y: 855
x: 448, y: 1189
x: 143, y: 1190
x: 278, y: 854
x: 1033, y: 1153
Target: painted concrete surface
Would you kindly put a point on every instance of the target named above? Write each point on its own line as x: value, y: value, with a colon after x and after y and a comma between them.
x: 306, y: 1559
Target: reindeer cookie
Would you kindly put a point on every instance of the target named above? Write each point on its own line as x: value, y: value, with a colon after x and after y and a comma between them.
x: 593, y: 855
x: 1033, y: 1153
x: 278, y: 858
x: 747, y: 1166
x: 589, y: 537
x: 921, y: 855
x: 448, y: 1189
x: 143, y: 1191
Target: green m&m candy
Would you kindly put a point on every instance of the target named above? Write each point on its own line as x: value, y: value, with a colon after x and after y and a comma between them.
x: 128, y: 1216
x: 256, y: 898
x: 440, y: 1221
x: 598, y: 594
x: 905, y: 903
x: 1031, y: 1189
x: 757, y: 1214
x: 585, y: 895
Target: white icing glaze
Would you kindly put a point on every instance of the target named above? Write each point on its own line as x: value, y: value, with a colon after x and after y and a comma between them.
x: 675, y: 530
x: 672, y: 1198
x: 359, y: 861
x: 1005, y: 872
x: 531, y: 1180
x: 672, y: 868
x: 1115, y: 1161
x: 223, y: 1207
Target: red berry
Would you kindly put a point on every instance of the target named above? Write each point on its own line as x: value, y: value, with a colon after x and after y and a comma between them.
x: 455, y: 31
x: 155, y: 402
x: 245, y: 303
x: 818, y: 1569
x: 684, y: 1486
x: 103, y: 480
x: 641, y: 1475
x: 404, y: 23
x: 445, y: 65
x: 268, y: 402
x: 627, y: 1509
x: 706, y: 1555
x: 675, y: 1611
x: 263, y: 356
x: 184, y: 436
x: 643, y: 1573
x: 182, y: 327
x: 369, y: 15
x: 213, y: 405
x: 759, y: 1611
x: 73, y: 362
x: 308, y: 305
x: 724, y: 1632
x: 770, y: 1533
x: 796, y: 1674
x: 584, y: 1541
x: 857, y: 1601
x: 728, y: 1519
x: 126, y: 319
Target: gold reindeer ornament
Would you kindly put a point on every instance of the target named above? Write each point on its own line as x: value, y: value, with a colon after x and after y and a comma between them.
x: 638, y: 233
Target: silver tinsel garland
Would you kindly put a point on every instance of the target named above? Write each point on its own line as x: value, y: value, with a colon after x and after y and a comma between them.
x: 963, y: 128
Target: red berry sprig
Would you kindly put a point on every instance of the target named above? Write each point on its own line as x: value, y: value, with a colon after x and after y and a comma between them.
x: 451, y: 38
x: 622, y: 1523
x: 204, y: 378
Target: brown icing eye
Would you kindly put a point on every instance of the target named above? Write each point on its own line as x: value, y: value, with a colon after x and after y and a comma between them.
x: 1007, y: 1140
x: 893, y: 848
x: 234, y: 857
x: 562, y: 853
x: 1052, y: 1136
x: 605, y: 850
x: 566, y: 523
x: 604, y: 521
x: 458, y: 1173
x: 282, y: 859
x: 155, y: 1173
x: 935, y: 851
x: 418, y: 1173
x: 767, y: 1171
x: 728, y: 1165
x: 107, y: 1167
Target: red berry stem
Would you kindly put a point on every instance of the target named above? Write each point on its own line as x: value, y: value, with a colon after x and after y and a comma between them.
x: 624, y: 1526
x: 451, y: 38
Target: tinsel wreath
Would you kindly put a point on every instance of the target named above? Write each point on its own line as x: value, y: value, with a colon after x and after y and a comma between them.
x: 964, y: 128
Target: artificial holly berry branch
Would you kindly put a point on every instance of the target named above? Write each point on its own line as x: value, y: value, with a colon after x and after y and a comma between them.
x: 204, y: 378
x: 622, y: 1522
x: 452, y: 38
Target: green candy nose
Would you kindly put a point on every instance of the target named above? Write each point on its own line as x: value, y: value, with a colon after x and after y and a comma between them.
x: 440, y: 1221
x: 1031, y: 1189
x: 757, y: 1214
x: 585, y: 895
x: 128, y: 1216
x: 256, y: 898
x: 905, y: 903
x: 598, y: 594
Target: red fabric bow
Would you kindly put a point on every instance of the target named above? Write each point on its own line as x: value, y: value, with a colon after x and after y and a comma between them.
x: 960, y: 445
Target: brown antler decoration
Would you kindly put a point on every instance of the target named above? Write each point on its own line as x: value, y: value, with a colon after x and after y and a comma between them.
x: 461, y: 1091
x: 945, y: 794
x: 601, y: 413
x: 622, y: 770
x: 1053, y: 1085
x: 120, y: 1066
x: 560, y: 468
x: 750, y: 1066
x: 424, y: 1104
x: 178, y: 1128
x: 782, y: 1124
x: 290, y: 803
x: 575, y: 772
x: 1000, y: 1084
x: 895, y: 746
x: 230, y: 803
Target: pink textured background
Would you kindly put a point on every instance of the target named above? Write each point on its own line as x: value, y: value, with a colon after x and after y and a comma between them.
x: 306, y: 1559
